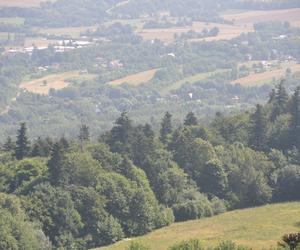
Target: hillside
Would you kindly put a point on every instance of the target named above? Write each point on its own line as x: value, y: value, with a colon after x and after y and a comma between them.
x: 259, y: 228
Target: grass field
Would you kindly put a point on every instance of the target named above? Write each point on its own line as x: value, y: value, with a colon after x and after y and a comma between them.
x: 73, y: 32
x: 12, y: 20
x: 268, y: 76
x: 258, y: 228
x: 191, y: 80
x: 250, y: 17
x: 22, y: 3
x: 227, y: 32
x: 54, y: 81
x: 135, y: 79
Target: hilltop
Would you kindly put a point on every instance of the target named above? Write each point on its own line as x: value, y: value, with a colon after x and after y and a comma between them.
x: 260, y: 227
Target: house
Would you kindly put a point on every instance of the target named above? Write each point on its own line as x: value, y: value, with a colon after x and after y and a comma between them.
x: 115, y: 64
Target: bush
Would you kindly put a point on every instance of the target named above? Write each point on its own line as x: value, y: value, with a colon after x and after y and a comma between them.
x: 137, y: 246
x: 188, y: 245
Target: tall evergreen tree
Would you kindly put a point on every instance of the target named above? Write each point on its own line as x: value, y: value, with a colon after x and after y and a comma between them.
x: 84, y: 133
x: 258, y: 129
x: 57, y: 174
x: 190, y: 120
x: 166, y: 127
x: 281, y: 101
x: 22, y: 144
x: 294, y: 128
x: 119, y: 140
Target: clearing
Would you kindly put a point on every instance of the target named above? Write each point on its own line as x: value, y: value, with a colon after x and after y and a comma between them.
x: 135, y: 79
x: 54, y: 81
x: 267, y: 76
x: 260, y: 227
x: 250, y: 17
x: 191, y: 80
x: 22, y: 3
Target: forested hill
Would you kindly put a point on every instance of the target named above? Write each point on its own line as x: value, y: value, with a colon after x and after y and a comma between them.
x: 87, y: 192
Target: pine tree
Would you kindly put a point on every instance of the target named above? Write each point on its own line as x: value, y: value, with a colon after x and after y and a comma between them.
x: 294, y: 127
x: 281, y: 101
x: 22, y: 144
x: 84, y: 135
x: 258, y: 130
x: 166, y: 127
x: 9, y: 145
x: 190, y: 120
x: 57, y: 174
x: 120, y: 137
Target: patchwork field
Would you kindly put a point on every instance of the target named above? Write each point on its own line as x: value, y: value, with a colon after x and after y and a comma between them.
x: 258, y: 228
x: 55, y: 81
x: 22, y: 3
x: 135, y: 79
x: 250, y: 17
x: 268, y: 76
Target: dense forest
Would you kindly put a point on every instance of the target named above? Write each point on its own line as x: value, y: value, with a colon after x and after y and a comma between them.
x: 78, y: 193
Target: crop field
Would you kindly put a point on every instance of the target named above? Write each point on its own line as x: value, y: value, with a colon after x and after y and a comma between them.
x: 73, y: 32
x: 12, y: 20
x: 135, y: 79
x: 251, y: 17
x: 258, y: 228
x: 54, y: 81
x: 267, y: 76
x: 22, y: 3
x: 227, y: 32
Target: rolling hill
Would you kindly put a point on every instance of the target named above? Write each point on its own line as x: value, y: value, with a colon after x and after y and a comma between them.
x: 259, y: 228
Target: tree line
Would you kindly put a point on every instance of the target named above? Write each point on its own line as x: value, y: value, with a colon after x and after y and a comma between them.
x: 86, y: 192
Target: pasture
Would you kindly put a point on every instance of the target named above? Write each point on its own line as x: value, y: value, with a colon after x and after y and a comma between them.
x: 250, y: 17
x: 268, y: 76
x: 259, y: 228
x: 22, y: 3
x: 135, y: 79
x: 53, y: 81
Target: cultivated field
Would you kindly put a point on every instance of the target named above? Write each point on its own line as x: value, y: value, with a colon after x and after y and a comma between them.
x: 268, y: 76
x: 54, y: 81
x: 135, y: 79
x: 22, y: 3
x: 258, y: 228
x: 73, y: 32
x: 227, y: 32
x: 251, y: 17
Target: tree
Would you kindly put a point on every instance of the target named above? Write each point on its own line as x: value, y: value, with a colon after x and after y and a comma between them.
x: 120, y: 135
x: 294, y: 127
x: 57, y: 173
x: 258, y: 129
x: 213, y: 179
x: 22, y: 144
x: 9, y: 145
x: 166, y: 127
x: 190, y: 120
x: 281, y: 100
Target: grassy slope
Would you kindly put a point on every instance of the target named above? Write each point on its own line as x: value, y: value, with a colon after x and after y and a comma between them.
x: 258, y: 228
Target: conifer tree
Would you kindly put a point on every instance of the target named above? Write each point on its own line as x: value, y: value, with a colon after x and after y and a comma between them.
x: 9, y: 145
x: 258, y: 129
x: 294, y: 128
x: 22, y: 144
x: 166, y: 127
x: 281, y: 101
x: 190, y: 120
x: 57, y: 174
